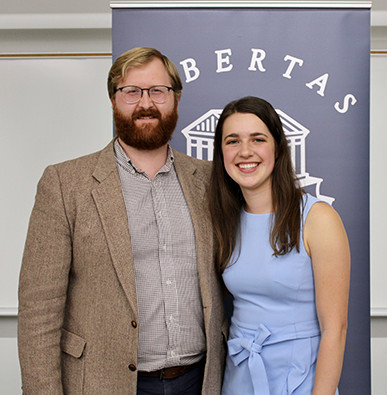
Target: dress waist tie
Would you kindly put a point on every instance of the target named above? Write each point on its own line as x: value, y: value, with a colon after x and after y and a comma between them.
x: 245, y: 345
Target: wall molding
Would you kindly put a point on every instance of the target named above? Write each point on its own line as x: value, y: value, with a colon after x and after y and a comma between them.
x: 378, y: 311
x: 8, y: 312
x: 57, y: 55
x: 56, y: 21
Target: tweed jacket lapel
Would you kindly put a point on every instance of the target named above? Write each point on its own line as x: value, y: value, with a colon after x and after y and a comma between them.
x: 110, y: 205
x: 194, y: 186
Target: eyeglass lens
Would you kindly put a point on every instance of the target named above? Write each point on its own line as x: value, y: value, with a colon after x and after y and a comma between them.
x: 132, y: 94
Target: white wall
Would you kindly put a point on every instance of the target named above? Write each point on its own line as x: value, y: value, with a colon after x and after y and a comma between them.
x: 378, y: 217
x: 51, y: 109
x: 34, y: 110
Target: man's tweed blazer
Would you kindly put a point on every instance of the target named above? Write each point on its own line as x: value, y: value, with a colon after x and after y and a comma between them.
x: 77, y: 331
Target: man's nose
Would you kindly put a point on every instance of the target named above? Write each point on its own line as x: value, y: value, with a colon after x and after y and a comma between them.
x: 145, y: 100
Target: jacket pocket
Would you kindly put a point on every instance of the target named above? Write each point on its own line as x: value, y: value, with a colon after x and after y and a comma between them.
x: 73, y: 362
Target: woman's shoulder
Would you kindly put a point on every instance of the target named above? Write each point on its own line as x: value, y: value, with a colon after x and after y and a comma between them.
x: 322, y: 219
x: 309, y: 201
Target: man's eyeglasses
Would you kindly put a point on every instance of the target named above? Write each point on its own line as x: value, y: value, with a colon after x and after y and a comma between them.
x: 133, y: 94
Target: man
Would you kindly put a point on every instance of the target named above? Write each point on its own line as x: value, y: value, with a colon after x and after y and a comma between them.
x: 118, y: 293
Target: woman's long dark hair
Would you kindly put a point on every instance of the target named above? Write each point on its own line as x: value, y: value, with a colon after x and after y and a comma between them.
x: 226, y: 199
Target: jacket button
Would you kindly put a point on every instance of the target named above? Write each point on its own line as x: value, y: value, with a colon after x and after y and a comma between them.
x: 132, y: 367
x: 134, y: 324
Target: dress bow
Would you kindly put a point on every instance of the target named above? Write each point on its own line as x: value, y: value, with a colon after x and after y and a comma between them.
x: 240, y: 348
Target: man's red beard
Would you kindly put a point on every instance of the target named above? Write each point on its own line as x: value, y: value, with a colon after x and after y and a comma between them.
x: 148, y: 136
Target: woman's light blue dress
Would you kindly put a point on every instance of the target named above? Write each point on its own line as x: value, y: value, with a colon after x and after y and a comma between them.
x: 274, y: 334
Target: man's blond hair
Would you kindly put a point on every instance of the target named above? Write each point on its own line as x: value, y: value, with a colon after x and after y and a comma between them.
x: 137, y: 57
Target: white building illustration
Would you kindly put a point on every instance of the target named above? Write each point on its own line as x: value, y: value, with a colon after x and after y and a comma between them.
x: 200, y: 144
x: 200, y: 135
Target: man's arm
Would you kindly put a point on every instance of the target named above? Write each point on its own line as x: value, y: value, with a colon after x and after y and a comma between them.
x: 42, y: 289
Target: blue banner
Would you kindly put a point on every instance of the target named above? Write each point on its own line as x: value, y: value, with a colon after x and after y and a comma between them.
x: 313, y: 65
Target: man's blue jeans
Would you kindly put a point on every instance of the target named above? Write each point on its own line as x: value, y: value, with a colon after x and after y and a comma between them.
x: 189, y: 383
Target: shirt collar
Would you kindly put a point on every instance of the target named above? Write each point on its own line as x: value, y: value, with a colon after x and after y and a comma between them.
x: 124, y: 161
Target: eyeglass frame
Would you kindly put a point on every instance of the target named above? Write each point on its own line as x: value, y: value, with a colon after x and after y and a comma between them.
x: 142, y: 92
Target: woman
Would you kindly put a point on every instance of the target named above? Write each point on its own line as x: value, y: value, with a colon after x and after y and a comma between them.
x: 283, y: 255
